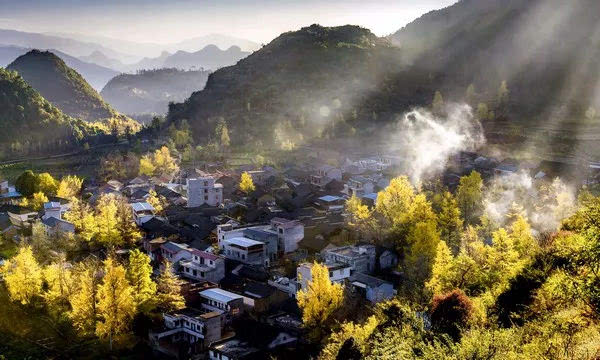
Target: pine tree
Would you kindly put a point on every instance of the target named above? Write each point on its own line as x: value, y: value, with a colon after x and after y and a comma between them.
x: 168, y: 286
x: 115, y: 303
x: 138, y: 274
x: 23, y: 276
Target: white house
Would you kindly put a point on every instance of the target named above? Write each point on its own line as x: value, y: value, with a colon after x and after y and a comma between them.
x: 204, y: 190
x: 337, y: 273
x: 203, y: 266
x: 222, y: 301
x: 360, y: 258
x: 359, y: 186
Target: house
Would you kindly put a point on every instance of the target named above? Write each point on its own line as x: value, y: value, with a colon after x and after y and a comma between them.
x: 360, y: 258
x: 20, y: 216
x: 506, y: 167
x: 331, y: 203
x: 174, y: 252
x: 287, y: 285
x: 188, y: 330
x: 203, y: 266
x: 204, y: 190
x: 338, y: 273
x: 233, y: 349
x: 388, y: 260
x: 266, y: 237
x: 142, y: 212
x: 371, y: 288
x: 245, y: 250
x: 262, y: 297
x: 324, y: 175
x: 289, y: 232
x: 222, y: 301
x: 359, y: 186
x: 54, y: 225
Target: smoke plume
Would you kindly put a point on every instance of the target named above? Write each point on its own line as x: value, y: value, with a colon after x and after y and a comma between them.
x: 428, y: 141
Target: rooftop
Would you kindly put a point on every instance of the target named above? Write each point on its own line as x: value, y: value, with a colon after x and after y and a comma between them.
x: 220, y: 295
x: 367, y: 280
x: 235, y: 348
x: 174, y: 247
x: 330, y: 198
x: 142, y: 206
x: 244, y: 242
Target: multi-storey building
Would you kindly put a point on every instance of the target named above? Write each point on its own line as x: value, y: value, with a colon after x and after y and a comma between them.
x: 203, y: 266
x: 204, y: 190
x: 360, y: 258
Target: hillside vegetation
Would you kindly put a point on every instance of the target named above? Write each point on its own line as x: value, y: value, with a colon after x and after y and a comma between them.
x: 293, y: 87
x: 29, y: 122
x: 150, y: 91
x: 68, y: 90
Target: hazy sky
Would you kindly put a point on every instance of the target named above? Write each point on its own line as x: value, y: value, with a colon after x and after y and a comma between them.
x: 166, y: 21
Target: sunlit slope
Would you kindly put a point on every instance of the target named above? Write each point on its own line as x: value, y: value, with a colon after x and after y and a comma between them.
x: 67, y: 89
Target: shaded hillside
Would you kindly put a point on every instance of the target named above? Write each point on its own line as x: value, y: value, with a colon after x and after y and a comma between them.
x: 150, y: 91
x: 30, y: 123
x: 298, y: 85
x: 546, y: 50
x: 97, y: 76
x: 66, y: 89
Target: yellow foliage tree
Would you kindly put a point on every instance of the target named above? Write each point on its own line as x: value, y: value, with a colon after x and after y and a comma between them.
x: 359, y: 333
x: 81, y: 215
x: 395, y: 200
x: 23, y: 276
x: 107, y: 222
x: 320, y: 299
x: 83, y: 300
x: 47, y: 184
x: 146, y: 166
x: 59, y: 285
x: 38, y: 200
x: 138, y: 274
x: 157, y: 202
x: 115, y: 303
x: 69, y: 186
x: 246, y: 183
x: 163, y: 162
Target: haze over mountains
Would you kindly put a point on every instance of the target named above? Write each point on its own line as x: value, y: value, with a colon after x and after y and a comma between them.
x: 545, y: 50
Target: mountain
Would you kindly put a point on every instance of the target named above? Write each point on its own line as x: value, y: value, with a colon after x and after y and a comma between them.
x: 32, y: 124
x: 150, y: 91
x: 219, y: 40
x: 94, y: 74
x: 149, y: 49
x: 67, y: 89
x: 301, y: 83
x: 210, y: 57
x: 546, y: 50
x: 42, y: 41
x: 97, y: 57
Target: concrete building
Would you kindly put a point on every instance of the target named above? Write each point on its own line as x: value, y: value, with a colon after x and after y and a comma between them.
x: 54, y: 225
x: 222, y: 301
x: 371, y: 288
x: 203, y: 266
x: 245, y: 250
x: 189, y: 329
x: 359, y: 186
x: 338, y: 273
x: 204, y: 190
x: 324, y: 175
x: 361, y: 259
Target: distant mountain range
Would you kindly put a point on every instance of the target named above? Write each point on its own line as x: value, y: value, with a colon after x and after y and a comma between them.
x: 67, y: 90
x: 150, y: 91
x: 97, y: 76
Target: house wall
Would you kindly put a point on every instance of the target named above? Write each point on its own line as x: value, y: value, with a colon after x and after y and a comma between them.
x: 203, y: 191
x: 381, y: 293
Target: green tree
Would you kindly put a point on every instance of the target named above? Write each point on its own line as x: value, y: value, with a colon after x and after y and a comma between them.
x: 27, y: 183
x: 168, y: 286
x: 469, y: 196
x: 449, y: 221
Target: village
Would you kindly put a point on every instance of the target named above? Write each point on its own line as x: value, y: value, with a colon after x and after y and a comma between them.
x: 243, y: 241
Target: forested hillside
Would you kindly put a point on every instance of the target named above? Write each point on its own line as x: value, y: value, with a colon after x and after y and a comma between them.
x: 68, y: 90
x: 31, y: 123
x: 293, y: 87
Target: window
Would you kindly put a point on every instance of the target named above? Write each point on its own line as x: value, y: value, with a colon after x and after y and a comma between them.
x: 195, y: 272
x: 206, y: 198
x: 202, y: 273
x: 280, y: 230
x: 206, y: 191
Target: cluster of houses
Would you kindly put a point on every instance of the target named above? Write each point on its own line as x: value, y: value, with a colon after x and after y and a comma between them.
x: 244, y: 257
